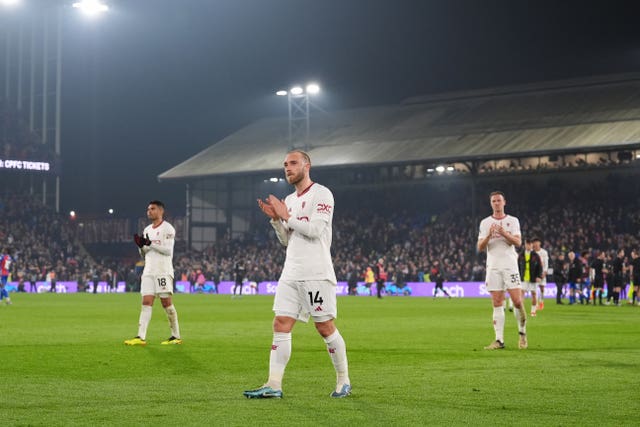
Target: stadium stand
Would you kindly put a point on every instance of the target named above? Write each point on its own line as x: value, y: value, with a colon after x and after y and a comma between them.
x: 586, y: 124
x: 565, y: 153
x: 411, y: 230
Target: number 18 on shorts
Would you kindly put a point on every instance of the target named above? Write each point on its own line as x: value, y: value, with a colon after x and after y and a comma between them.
x: 156, y: 285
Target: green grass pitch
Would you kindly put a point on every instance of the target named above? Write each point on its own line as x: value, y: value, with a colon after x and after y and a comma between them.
x: 413, y: 361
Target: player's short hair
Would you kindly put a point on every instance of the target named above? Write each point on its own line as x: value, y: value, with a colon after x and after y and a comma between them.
x: 536, y: 239
x: 497, y: 193
x: 158, y: 203
x: 304, y: 155
x: 529, y: 240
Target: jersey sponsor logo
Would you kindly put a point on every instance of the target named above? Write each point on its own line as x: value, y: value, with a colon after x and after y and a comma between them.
x: 324, y: 208
x: 274, y: 347
x: 331, y: 350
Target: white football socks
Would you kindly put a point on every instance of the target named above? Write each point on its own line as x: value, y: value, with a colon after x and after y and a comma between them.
x: 143, y: 323
x: 498, y: 323
x: 172, y: 316
x: 280, y: 354
x: 338, y: 352
x: 522, y: 319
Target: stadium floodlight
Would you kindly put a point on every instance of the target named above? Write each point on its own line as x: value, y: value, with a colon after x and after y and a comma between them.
x: 450, y: 168
x: 299, y: 103
x: 91, y: 7
x: 312, y: 88
x: 273, y: 179
x: 72, y: 214
x: 10, y: 2
x: 110, y: 211
x: 296, y: 90
x: 440, y: 169
x: 430, y: 170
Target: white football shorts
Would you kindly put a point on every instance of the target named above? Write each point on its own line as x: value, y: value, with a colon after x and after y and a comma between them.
x: 529, y: 286
x: 301, y: 299
x: 502, y: 280
x: 161, y: 286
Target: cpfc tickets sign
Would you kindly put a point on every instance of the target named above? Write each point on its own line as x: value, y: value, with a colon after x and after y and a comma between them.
x: 25, y: 165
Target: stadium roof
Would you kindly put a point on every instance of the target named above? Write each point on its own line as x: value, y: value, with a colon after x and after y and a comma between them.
x: 569, y: 116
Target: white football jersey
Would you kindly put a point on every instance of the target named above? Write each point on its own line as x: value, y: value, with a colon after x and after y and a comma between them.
x: 158, y: 257
x: 544, y: 257
x: 309, y: 235
x: 500, y: 254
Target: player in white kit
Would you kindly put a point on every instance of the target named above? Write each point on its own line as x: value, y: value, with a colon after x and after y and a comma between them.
x: 307, y: 286
x: 544, y: 257
x: 498, y: 235
x: 156, y: 247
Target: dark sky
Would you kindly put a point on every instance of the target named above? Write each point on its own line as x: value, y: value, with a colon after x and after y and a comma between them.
x: 156, y: 81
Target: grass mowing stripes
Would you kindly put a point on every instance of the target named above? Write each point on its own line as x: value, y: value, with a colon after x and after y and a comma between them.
x: 413, y: 361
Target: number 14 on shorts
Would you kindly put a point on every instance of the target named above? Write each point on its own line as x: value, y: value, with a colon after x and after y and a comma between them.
x: 315, y: 299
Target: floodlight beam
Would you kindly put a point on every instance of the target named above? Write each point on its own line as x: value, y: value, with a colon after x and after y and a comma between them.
x: 91, y: 7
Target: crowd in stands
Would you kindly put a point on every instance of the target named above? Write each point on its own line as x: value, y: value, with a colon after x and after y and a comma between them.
x: 410, y: 231
x: 411, y: 236
x: 45, y: 247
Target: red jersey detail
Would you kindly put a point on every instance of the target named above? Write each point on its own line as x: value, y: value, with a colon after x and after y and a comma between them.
x: 324, y: 208
x: 305, y: 190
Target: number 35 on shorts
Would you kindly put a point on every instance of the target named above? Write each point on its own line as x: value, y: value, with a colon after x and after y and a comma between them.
x: 515, y: 278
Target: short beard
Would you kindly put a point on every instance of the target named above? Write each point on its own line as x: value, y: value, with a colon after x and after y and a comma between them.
x: 293, y: 180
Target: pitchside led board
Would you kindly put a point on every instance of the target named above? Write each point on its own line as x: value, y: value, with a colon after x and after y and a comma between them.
x: 414, y: 289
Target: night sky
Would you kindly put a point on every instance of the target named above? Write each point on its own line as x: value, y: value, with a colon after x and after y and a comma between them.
x: 156, y: 81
